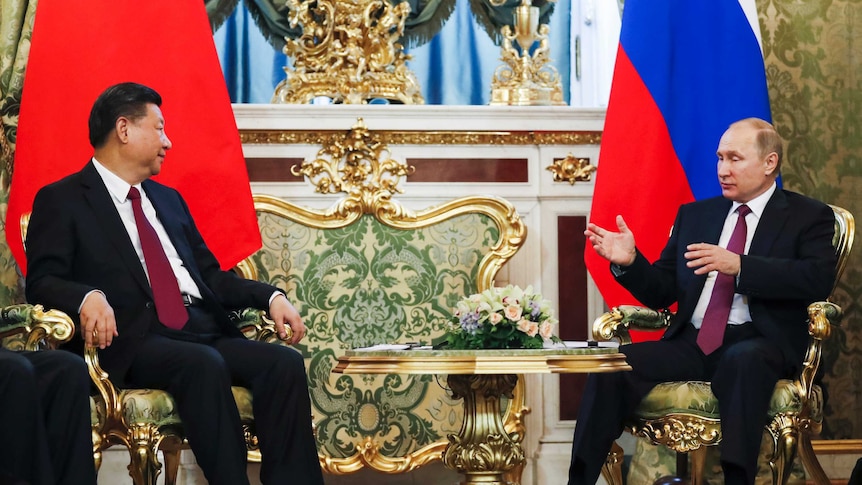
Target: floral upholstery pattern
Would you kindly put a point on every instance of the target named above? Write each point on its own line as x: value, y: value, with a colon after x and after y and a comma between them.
x: 155, y: 407
x: 696, y: 397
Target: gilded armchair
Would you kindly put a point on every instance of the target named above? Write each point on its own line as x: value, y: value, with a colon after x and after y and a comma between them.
x: 368, y: 271
x: 683, y: 416
x: 145, y: 421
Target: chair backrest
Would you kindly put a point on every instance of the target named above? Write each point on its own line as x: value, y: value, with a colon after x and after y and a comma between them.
x: 845, y: 233
x: 369, y: 271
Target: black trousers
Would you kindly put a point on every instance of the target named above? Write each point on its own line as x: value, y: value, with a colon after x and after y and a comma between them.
x: 743, y: 373
x: 45, y: 404
x: 199, y: 374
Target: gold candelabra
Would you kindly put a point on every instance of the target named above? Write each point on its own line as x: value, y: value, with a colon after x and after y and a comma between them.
x: 348, y: 52
x: 525, y: 78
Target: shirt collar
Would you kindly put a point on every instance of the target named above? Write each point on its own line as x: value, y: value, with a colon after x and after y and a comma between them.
x: 757, y: 204
x: 117, y: 187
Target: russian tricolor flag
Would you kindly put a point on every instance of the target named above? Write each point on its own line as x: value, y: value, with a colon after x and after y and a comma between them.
x: 685, y: 70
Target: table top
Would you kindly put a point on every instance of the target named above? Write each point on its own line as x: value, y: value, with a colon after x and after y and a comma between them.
x: 510, y: 361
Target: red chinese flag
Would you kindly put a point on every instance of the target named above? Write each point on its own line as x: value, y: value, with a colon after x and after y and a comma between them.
x: 80, y: 48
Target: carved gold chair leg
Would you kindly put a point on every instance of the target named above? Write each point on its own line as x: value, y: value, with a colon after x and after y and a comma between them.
x: 809, y: 460
x: 612, y: 470
x: 172, y: 464
x: 97, y: 450
x: 698, y: 465
x: 144, y: 466
x: 785, y: 436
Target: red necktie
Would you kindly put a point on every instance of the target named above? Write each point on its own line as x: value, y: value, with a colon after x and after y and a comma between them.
x: 711, y: 332
x: 166, y: 291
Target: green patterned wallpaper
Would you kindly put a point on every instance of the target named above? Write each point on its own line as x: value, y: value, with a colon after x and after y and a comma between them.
x: 812, y: 50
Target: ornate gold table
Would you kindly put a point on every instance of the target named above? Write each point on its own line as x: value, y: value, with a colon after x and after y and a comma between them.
x: 483, y: 450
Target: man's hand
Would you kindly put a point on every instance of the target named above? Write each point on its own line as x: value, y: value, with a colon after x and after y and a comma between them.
x: 282, y: 312
x: 709, y: 257
x: 616, y: 247
x: 97, y: 321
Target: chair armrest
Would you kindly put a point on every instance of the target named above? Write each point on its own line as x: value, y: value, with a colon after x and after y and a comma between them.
x: 616, y: 323
x: 821, y: 316
x: 37, y: 328
x: 109, y: 394
x: 256, y: 325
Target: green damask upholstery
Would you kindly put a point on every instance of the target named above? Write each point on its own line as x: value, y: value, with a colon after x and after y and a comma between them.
x: 696, y: 397
x: 360, y: 281
x: 157, y: 408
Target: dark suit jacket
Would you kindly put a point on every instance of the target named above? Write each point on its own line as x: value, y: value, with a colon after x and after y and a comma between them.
x: 790, y: 264
x: 76, y: 242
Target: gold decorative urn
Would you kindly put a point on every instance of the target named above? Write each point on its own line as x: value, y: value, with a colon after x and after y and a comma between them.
x: 525, y: 78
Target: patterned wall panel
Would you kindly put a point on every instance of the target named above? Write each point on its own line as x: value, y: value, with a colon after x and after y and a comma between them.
x: 814, y: 72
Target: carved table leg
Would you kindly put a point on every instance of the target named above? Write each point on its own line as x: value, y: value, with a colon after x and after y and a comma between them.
x: 483, y: 451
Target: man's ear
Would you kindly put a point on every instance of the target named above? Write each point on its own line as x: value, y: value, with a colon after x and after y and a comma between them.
x: 771, y: 163
x: 122, y: 128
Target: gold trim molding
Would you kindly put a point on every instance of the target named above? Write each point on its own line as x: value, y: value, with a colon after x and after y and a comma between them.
x: 836, y: 447
x: 393, y: 137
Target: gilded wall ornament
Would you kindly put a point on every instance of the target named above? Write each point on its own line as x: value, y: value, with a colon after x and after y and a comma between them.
x: 357, y: 164
x: 571, y: 169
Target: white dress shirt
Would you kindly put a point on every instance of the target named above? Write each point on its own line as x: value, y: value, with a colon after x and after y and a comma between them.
x: 739, y: 312
x: 119, y: 190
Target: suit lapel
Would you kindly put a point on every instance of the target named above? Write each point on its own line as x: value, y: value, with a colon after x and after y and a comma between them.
x: 774, y: 217
x: 106, y: 213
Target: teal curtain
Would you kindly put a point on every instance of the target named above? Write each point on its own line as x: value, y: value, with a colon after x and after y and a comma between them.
x: 454, y: 67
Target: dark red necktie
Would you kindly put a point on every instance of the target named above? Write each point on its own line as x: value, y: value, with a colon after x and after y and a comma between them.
x: 166, y: 291
x: 711, y: 333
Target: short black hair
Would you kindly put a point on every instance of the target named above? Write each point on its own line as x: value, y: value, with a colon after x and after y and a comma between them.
x: 128, y: 100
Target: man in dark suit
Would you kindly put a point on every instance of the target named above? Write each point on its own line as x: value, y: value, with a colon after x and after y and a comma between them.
x: 784, y: 261
x: 123, y: 254
x: 45, y: 405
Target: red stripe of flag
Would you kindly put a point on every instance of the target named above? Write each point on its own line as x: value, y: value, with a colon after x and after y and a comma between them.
x: 80, y: 48
x: 639, y: 176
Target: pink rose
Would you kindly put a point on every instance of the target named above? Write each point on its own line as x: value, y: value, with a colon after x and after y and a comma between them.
x: 528, y: 327
x: 546, y: 329
x: 512, y: 312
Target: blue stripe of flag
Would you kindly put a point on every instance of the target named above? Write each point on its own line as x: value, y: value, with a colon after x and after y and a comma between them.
x: 702, y: 64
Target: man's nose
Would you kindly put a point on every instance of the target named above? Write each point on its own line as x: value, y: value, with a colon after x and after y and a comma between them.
x: 166, y: 142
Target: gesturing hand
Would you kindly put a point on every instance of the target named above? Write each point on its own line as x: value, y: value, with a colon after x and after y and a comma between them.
x: 616, y: 247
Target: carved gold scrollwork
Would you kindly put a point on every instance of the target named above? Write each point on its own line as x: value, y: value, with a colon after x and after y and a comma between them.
x: 572, y: 169
x: 359, y: 165
x: 681, y: 433
x: 349, y: 52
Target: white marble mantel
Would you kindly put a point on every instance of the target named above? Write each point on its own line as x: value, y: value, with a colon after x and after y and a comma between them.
x: 422, y: 117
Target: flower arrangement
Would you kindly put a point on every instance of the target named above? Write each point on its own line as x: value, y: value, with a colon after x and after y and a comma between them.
x: 502, y: 318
